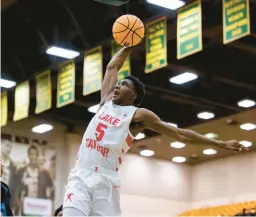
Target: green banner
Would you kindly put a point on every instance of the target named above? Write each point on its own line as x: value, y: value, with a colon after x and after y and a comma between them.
x: 43, y: 92
x: 126, y: 68
x: 21, y: 101
x: 4, y: 109
x: 66, y: 84
x: 92, y: 71
x: 156, y: 45
x: 236, y: 19
x: 189, y: 30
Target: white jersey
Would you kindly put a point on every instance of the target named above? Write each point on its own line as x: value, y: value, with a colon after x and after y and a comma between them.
x: 107, y: 137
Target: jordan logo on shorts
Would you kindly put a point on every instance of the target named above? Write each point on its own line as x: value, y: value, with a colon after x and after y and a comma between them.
x: 69, y: 197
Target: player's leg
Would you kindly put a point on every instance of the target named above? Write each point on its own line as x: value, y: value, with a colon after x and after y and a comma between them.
x: 70, y: 211
x: 106, y: 198
x: 77, y: 200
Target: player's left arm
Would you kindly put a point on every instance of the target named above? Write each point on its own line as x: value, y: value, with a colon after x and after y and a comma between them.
x: 151, y: 121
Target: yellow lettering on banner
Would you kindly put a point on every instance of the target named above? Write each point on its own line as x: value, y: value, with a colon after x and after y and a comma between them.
x: 66, y: 96
x: 188, y: 13
x: 193, y: 27
x: 156, y: 34
x: 237, y: 24
x: 93, y: 56
x: 93, y: 62
x: 235, y: 9
x: 187, y: 21
x: 66, y: 85
x: 231, y: 3
x: 236, y: 17
x: 189, y: 46
x: 155, y: 41
x: 63, y: 92
x: 156, y: 58
x: 156, y: 64
x: 151, y: 29
x: 66, y: 79
x: 155, y: 53
x: 156, y: 47
x: 188, y: 37
x: 64, y: 74
x: 236, y: 32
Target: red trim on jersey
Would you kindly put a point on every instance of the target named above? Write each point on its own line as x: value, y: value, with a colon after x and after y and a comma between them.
x: 120, y: 160
x: 129, y: 140
x: 122, y: 151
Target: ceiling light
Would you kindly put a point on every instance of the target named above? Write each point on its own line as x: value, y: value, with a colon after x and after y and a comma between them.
x: 61, y: 52
x: 140, y: 136
x: 170, y: 4
x: 183, y: 78
x: 248, y: 126
x: 246, y: 143
x: 178, y: 159
x: 211, y: 135
x: 6, y: 83
x: 93, y: 109
x: 174, y: 125
x: 209, y: 151
x: 205, y: 115
x: 147, y: 153
x: 42, y: 128
x: 177, y: 145
x: 246, y: 103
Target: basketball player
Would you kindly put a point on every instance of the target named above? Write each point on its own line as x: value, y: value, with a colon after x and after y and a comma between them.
x: 93, y: 185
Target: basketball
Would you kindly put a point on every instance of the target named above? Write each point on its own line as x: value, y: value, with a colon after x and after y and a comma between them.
x: 128, y: 30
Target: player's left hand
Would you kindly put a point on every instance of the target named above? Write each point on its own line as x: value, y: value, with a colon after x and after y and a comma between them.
x: 233, y: 145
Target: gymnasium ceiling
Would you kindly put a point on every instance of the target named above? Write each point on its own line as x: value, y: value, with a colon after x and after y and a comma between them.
x: 226, y: 72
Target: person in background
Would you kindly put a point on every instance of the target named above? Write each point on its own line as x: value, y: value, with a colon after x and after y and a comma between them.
x: 34, y: 181
x: 58, y: 211
x: 5, y: 196
x: 9, y: 167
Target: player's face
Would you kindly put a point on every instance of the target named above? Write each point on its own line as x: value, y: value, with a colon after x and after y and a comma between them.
x: 124, y: 93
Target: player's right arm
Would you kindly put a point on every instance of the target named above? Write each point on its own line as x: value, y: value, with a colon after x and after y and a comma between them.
x: 112, y: 69
x: 151, y: 121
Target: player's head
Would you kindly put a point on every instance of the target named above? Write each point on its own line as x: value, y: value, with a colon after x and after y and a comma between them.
x: 129, y: 91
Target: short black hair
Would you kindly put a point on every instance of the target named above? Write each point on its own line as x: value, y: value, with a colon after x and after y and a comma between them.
x: 139, y: 88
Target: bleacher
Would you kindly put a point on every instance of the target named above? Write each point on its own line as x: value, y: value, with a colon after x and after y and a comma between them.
x: 244, y: 208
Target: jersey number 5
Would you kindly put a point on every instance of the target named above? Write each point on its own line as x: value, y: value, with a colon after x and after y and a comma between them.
x: 100, y: 131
